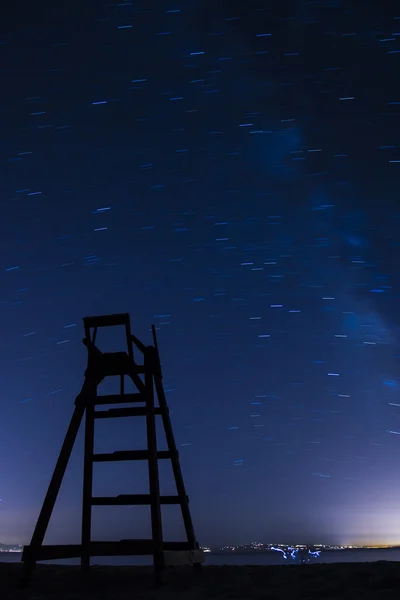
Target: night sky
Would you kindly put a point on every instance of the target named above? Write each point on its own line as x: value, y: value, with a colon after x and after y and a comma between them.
x: 228, y: 171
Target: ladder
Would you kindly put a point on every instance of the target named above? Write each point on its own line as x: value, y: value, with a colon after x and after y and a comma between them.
x: 147, y: 378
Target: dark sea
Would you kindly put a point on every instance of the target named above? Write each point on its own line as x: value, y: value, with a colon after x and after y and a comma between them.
x: 265, y: 558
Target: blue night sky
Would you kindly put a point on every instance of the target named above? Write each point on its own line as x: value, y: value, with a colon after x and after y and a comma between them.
x: 228, y: 171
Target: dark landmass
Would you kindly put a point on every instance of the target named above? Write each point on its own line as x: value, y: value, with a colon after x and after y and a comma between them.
x: 11, y: 547
x: 242, y: 552
x: 379, y: 580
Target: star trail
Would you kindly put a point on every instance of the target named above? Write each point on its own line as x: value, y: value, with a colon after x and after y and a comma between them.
x: 228, y: 171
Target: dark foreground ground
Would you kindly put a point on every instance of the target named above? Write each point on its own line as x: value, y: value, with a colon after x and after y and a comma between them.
x: 357, y: 581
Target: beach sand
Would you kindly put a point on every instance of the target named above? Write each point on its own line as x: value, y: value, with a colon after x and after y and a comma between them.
x: 358, y: 581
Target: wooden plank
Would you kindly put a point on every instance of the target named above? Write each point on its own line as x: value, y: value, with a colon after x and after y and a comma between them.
x: 131, y: 500
x: 107, y: 320
x: 140, y: 547
x: 87, y: 488
x: 176, y: 467
x: 51, y: 496
x: 56, y: 552
x: 52, y: 552
x: 130, y: 411
x: 129, y: 455
x: 119, y: 399
x: 138, y: 343
x: 155, y: 500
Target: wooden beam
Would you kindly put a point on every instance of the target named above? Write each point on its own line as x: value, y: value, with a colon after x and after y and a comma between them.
x: 132, y: 500
x: 155, y: 500
x: 119, y: 399
x: 52, y: 493
x: 107, y: 320
x: 131, y: 411
x: 120, y: 455
x: 87, y: 488
x: 141, y: 547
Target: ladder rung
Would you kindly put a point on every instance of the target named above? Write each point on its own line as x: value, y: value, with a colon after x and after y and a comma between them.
x: 119, y: 399
x: 131, y: 411
x: 107, y: 320
x: 129, y: 455
x: 132, y: 499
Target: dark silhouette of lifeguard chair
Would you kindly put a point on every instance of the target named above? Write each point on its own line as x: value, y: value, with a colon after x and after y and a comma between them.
x: 147, y: 378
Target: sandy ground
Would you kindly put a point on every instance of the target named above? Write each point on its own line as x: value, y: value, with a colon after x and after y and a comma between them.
x: 358, y: 581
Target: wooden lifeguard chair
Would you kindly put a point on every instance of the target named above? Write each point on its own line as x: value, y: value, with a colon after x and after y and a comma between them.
x: 147, y: 378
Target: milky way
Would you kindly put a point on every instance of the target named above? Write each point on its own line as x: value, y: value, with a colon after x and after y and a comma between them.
x: 229, y: 173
